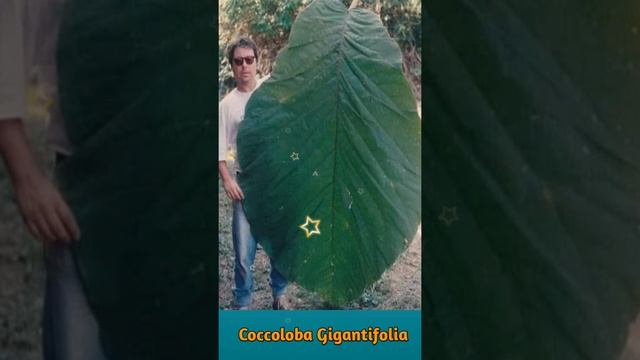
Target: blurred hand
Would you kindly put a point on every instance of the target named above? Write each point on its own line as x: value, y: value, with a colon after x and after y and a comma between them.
x: 45, y: 212
x: 233, y: 190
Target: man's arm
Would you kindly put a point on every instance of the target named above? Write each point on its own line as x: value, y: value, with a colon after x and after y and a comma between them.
x: 45, y: 212
x: 231, y: 187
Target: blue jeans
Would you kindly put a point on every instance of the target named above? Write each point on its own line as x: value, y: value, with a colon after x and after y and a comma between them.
x: 69, y: 331
x: 244, y: 246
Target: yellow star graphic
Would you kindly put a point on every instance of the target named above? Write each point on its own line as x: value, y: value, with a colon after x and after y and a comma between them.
x: 295, y: 156
x: 316, y: 224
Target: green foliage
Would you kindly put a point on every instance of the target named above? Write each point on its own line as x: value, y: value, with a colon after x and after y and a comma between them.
x: 269, y: 23
x: 402, y: 18
x: 271, y: 19
x: 334, y: 136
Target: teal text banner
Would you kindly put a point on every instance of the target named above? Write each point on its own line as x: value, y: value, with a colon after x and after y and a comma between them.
x: 324, y: 334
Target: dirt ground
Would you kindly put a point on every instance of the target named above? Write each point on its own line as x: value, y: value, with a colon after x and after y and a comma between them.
x: 22, y: 276
x: 399, y: 287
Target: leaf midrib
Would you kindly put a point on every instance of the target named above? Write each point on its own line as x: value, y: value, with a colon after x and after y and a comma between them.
x: 339, y: 55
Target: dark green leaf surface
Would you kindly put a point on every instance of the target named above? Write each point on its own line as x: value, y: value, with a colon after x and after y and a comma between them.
x: 532, y: 249
x: 138, y: 95
x: 334, y: 135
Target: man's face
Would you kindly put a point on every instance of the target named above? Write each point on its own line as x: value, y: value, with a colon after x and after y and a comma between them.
x: 242, y: 71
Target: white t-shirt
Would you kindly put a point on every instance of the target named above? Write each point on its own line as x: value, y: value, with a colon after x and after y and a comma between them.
x: 28, y: 41
x: 230, y: 114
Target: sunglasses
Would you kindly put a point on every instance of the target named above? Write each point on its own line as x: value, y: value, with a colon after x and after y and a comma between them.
x: 248, y: 59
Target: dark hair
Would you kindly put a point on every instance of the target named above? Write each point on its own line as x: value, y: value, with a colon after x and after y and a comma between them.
x: 244, y: 42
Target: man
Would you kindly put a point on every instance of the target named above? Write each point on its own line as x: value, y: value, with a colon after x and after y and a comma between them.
x: 70, y: 330
x: 243, y: 57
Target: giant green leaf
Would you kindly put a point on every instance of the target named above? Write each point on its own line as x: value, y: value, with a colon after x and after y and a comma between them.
x: 137, y: 92
x: 533, y: 193
x: 333, y: 135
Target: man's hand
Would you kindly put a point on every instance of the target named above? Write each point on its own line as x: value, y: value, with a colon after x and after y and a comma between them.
x: 231, y: 187
x: 233, y: 190
x: 45, y: 212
